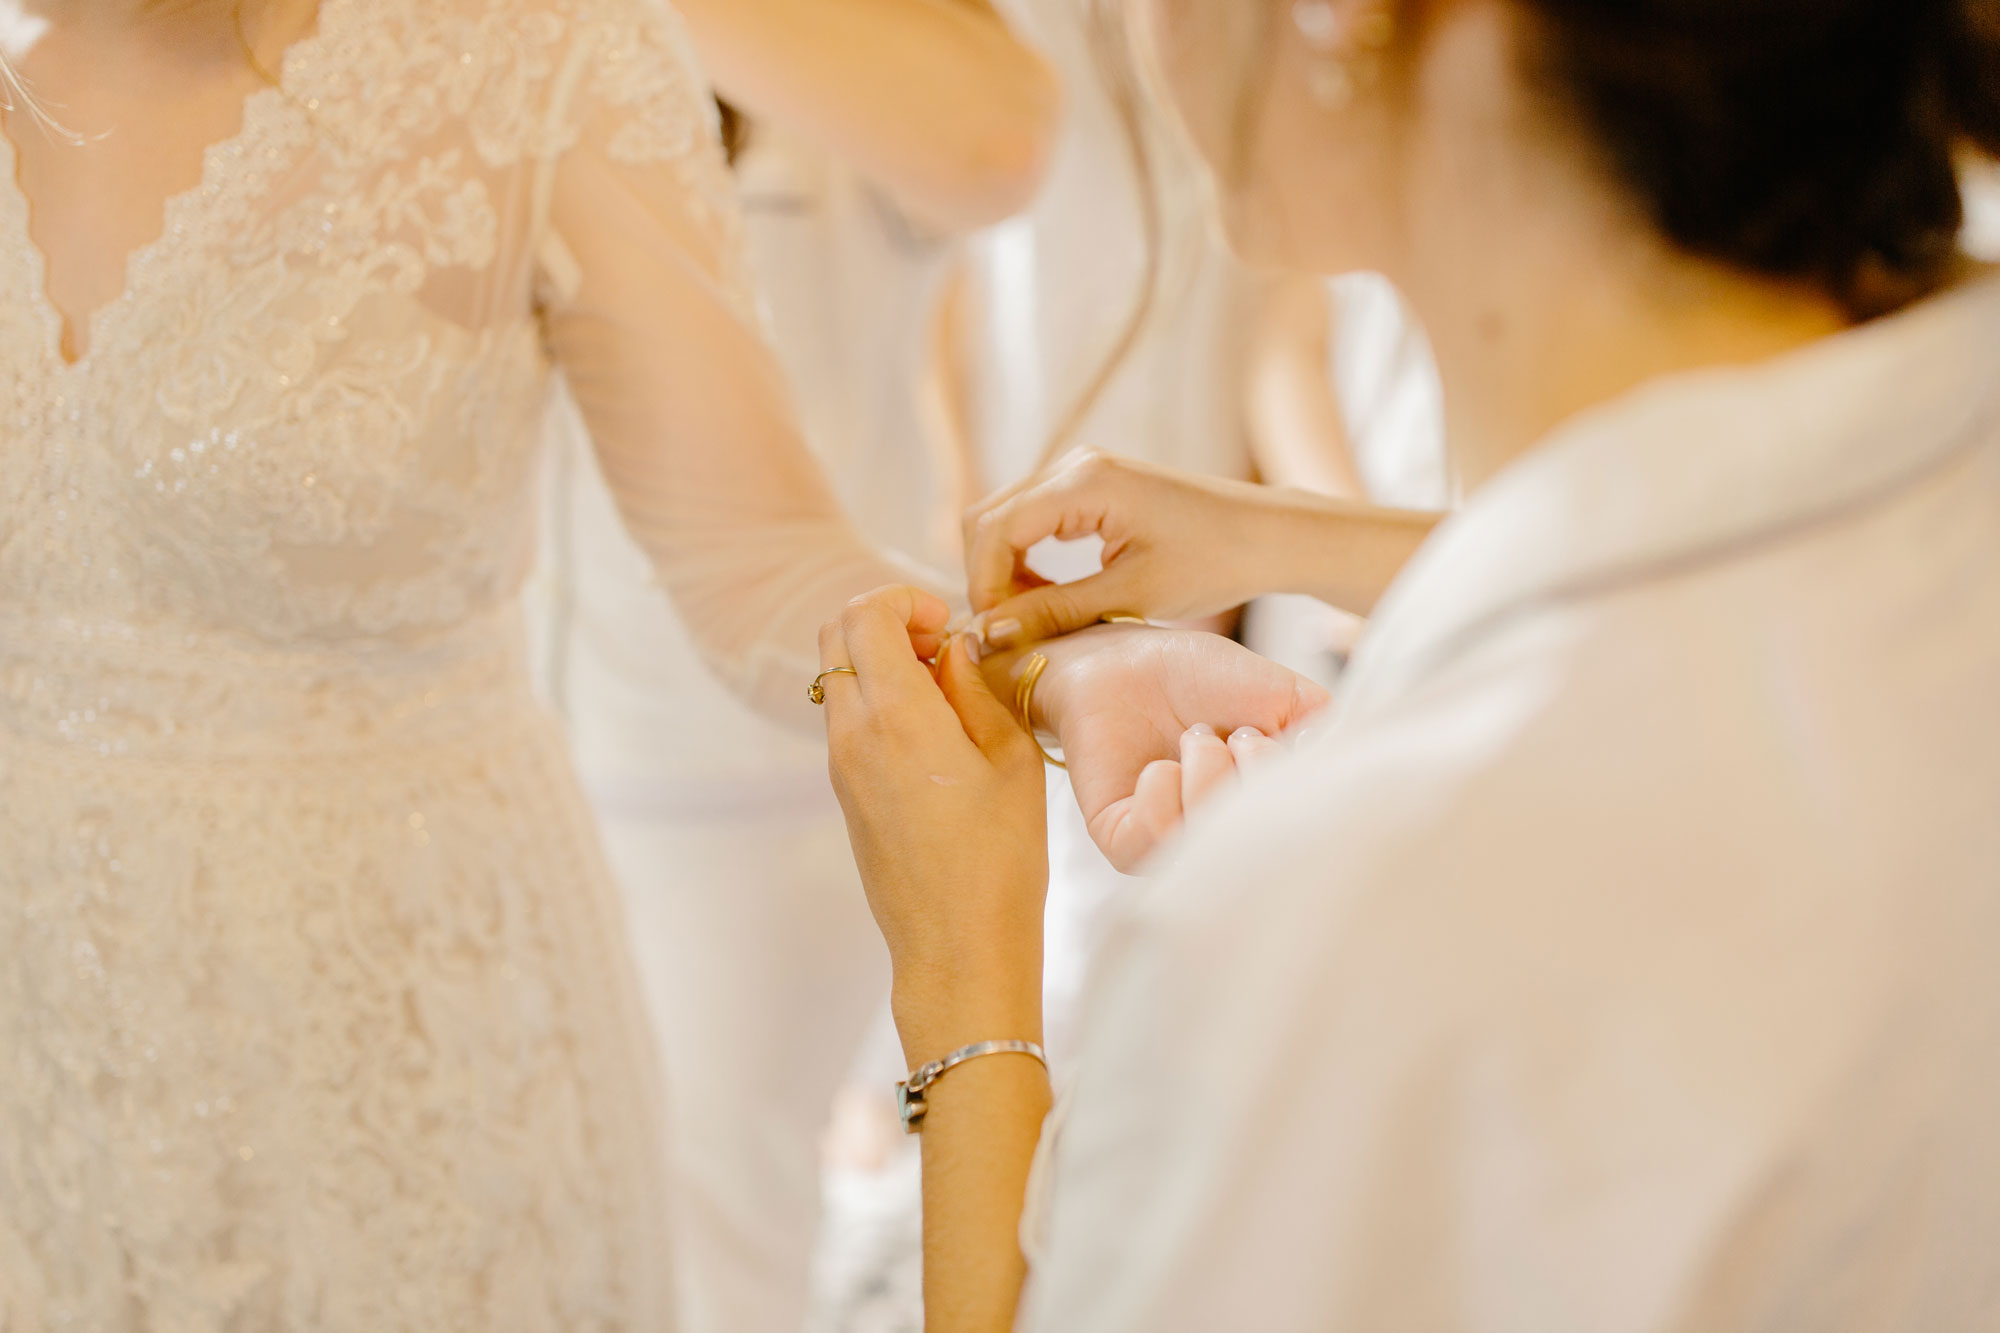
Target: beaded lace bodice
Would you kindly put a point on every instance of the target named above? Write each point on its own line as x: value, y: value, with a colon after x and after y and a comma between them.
x: 313, y: 1004
x: 313, y: 414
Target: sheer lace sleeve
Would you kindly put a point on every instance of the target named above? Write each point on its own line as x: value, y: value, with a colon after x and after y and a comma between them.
x: 650, y: 314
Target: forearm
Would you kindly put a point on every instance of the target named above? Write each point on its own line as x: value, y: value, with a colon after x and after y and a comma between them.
x: 945, y: 806
x: 934, y: 100
x: 979, y: 1142
x: 1344, y: 552
x: 980, y: 1131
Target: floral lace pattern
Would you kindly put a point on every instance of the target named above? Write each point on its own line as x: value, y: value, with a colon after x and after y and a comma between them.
x: 313, y: 1012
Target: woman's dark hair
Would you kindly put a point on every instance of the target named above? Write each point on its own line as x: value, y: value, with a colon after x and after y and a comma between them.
x: 1805, y: 139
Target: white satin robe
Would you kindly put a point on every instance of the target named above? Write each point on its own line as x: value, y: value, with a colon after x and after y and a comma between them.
x: 1622, y: 958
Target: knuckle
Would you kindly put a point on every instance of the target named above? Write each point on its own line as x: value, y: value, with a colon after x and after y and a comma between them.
x: 1059, y: 605
x: 1093, y: 466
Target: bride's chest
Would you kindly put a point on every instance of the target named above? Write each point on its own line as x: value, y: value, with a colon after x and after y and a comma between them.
x: 302, y: 345
x: 286, y: 419
x: 314, y: 397
x: 326, y: 370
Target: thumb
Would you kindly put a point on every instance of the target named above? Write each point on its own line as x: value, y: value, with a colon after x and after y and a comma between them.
x: 1053, y: 611
x: 988, y: 723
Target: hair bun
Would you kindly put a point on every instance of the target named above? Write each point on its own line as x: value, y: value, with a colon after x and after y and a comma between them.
x: 1973, y: 71
x: 1806, y: 139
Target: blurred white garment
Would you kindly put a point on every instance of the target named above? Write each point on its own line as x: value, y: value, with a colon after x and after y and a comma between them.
x: 759, y: 961
x: 1057, y: 286
x: 1390, y: 398
x: 1620, y: 960
x: 868, y: 1276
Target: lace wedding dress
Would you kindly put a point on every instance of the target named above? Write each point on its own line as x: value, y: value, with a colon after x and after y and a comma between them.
x: 314, y: 1004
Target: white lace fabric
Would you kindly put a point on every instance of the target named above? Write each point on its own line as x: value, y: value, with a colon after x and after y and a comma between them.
x: 314, y: 1010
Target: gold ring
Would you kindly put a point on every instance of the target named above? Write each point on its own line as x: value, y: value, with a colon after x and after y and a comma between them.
x: 1024, y: 702
x: 817, y: 691
x: 1122, y: 618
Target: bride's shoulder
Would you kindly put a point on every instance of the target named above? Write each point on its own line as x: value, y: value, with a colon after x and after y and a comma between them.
x: 649, y: 22
x: 475, y: 34
x: 518, y: 75
x: 611, y: 52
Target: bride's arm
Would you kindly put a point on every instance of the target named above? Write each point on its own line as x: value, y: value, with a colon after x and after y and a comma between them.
x: 649, y: 312
x: 936, y: 101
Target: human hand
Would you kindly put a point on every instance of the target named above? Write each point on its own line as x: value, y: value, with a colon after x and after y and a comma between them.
x: 1177, y: 546
x: 1142, y: 713
x: 944, y: 798
x: 1168, y: 790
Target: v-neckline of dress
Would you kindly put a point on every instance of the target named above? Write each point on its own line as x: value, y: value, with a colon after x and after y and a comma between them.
x: 263, y: 109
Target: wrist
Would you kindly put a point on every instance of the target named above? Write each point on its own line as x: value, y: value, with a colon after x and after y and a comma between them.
x: 1343, y: 552
x: 937, y: 1036
x: 1261, y: 531
x: 1047, y: 703
x: 1003, y: 669
x: 938, y: 1014
x: 1290, y: 536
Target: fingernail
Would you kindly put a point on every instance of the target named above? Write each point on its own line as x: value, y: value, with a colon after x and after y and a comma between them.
x: 1000, y: 632
x: 970, y: 642
x: 1245, y: 734
x: 1201, y: 729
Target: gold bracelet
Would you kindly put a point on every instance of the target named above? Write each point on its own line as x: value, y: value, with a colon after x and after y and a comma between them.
x: 1024, y: 702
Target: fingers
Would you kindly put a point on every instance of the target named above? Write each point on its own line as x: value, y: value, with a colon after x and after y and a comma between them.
x: 1006, y: 493
x: 1127, y: 831
x: 1309, y: 697
x: 1274, y: 700
x: 923, y: 616
x: 839, y: 694
x: 1025, y: 576
x: 1206, y: 763
x: 879, y: 635
x: 1072, y: 501
x: 1250, y: 746
x: 987, y: 721
x: 1130, y: 830
x: 1052, y: 611
x: 1157, y: 799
